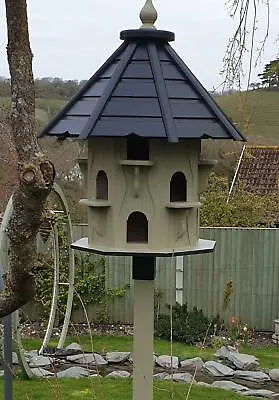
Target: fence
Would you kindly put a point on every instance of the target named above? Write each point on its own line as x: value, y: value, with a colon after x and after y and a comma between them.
x: 247, y: 257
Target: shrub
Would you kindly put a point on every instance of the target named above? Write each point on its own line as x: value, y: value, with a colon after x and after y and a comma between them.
x: 187, y: 326
x: 244, y: 209
x: 90, y: 277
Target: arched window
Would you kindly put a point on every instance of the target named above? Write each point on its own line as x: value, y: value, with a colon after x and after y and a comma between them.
x: 137, y: 228
x: 102, y: 186
x: 178, y: 187
x: 137, y: 148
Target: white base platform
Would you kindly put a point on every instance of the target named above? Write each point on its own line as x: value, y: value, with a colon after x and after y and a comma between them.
x: 204, y: 246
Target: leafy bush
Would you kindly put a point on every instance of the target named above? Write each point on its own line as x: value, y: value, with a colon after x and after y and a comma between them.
x: 188, y: 326
x: 244, y: 209
x: 90, y: 279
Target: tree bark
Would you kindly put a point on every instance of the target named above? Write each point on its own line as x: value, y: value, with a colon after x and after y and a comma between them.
x: 35, y: 172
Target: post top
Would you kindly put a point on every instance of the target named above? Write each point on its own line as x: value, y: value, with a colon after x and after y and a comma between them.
x: 148, y: 15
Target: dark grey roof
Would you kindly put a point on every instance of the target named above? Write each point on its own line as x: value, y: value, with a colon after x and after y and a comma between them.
x: 144, y: 88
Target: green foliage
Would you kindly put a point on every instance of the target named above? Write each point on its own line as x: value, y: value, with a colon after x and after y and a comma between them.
x: 187, y: 326
x: 244, y: 209
x: 218, y: 341
x: 270, y: 74
x: 47, y: 87
x: 239, y: 332
x: 228, y: 292
x: 90, y: 288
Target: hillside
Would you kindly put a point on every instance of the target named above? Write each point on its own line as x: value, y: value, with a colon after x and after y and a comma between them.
x: 45, y: 108
x: 256, y: 113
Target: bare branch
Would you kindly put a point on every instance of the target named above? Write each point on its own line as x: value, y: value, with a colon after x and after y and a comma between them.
x: 243, y: 40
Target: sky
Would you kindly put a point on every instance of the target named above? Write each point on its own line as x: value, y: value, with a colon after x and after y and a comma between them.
x: 70, y: 39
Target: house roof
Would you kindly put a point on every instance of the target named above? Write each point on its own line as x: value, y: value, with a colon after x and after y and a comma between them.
x: 144, y: 88
x: 258, y: 169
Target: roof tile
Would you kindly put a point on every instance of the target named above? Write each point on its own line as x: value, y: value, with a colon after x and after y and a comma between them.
x: 259, y: 169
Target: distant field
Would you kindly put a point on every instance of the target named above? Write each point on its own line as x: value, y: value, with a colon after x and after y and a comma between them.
x: 256, y: 113
x: 45, y: 108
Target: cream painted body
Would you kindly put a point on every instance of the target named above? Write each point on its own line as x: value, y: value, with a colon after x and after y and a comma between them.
x: 144, y: 186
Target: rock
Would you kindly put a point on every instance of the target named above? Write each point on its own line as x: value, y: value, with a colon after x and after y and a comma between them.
x: 60, y: 353
x: 95, y: 376
x: 49, y: 351
x: 73, y: 372
x: 41, y: 372
x: 117, y: 356
x: 244, y: 361
x: 217, y: 369
x: 192, y: 364
x: 241, y: 361
x: 40, y: 361
x: 203, y: 384
x: 119, y: 374
x: 15, y: 358
x: 89, y: 358
x: 182, y: 377
x: 225, y: 351
x: 228, y: 385
x: 275, y: 338
x: 168, y: 361
x: 70, y: 350
x: 253, y: 376
x: 29, y: 354
x: 260, y: 393
x: 1, y: 373
x: 161, y: 376
x: 274, y: 374
x: 74, y: 346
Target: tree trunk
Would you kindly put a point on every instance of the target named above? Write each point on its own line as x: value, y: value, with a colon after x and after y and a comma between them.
x: 35, y: 173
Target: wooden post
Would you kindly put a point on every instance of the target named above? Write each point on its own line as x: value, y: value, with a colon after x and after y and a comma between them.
x: 7, y: 321
x: 143, y: 275
x: 179, y: 279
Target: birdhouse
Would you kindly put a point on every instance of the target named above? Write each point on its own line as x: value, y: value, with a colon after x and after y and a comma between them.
x: 144, y: 115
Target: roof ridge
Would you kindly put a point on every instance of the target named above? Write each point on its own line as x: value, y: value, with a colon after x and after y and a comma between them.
x: 94, y: 116
x: 161, y: 90
x: 210, y: 102
x: 81, y: 90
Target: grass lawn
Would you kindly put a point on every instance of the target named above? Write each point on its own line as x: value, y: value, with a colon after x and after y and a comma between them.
x: 268, y: 356
x: 116, y: 389
x: 108, y: 389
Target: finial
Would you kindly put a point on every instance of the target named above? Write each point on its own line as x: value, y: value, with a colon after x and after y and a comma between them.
x: 148, y: 15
